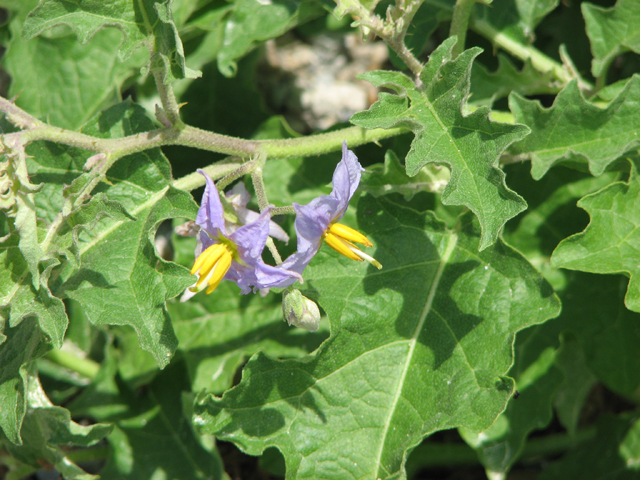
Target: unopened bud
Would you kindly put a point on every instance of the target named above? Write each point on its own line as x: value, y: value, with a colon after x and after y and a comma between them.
x: 300, y: 311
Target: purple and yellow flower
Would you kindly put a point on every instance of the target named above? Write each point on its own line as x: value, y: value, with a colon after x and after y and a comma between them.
x: 318, y: 220
x: 234, y: 254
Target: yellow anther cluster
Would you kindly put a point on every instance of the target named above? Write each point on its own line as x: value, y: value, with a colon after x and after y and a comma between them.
x: 212, y: 265
x: 343, y: 239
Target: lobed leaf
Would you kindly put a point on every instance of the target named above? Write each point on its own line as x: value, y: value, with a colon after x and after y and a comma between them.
x: 574, y: 129
x: 121, y: 280
x: 611, y: 31
x: 470, y: 145
x: 537, y: 379
x: 615, y: 210
x: 487, y: 87
x: 408, y: 353
x: 147, y: 23
x: 19, y: 346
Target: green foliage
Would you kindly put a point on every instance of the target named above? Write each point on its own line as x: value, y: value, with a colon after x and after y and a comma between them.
x: 576, y: 130
x: 502, y: 330
x: 612, y: 210
x: 429, y: 336
x: 611, y: 31
x: 444, y: 134
x: 148, y: 23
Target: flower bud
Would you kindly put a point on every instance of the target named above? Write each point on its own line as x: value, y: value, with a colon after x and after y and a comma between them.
x: 300, y: 311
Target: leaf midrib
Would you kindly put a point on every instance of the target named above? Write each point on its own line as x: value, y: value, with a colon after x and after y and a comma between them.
x: 451, y: 244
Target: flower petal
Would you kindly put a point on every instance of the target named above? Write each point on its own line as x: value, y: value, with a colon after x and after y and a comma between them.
x: 210, y: 215
x: 247, y: 216
x: 346, y: 179
x: 250, y: 240
x: 238, y: 196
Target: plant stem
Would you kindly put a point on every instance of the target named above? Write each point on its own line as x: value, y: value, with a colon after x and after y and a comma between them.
x: 189, y: 137
x: 217, y: 170
x: 460, y: 24
x: 274, y: 251
x: 168, y: 99
x: 431, y: 455
x: 237, y: 173
x: 539, y: 60
x: 282, y: 211
x: 82, y: 366
x: 89, y: 454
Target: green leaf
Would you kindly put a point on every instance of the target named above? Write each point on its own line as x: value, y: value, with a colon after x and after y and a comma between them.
x: 537, y: 379
x: 152, y: 435
x: 218, y: 332
x: 614, y: 453
x: 611, y: 31
x: 148, y: 23
x: 392, y: 178
x: 419, y: 346
x: 578, y: 382
x: 19, y: 345
x: 253, y: 21
x: 616, y: 211
x: 445, y: 135
x: 574, y: 129
x: 592, y: 309
x: 20, y: 299
x: 487, y: 87
x: 55, y: 79
x: 122, y: 281
x: 47, y: 426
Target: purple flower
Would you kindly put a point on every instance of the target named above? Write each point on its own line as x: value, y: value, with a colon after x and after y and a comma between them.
x: 232, y: 255
x: 318, y: 220
x: 239, y: 197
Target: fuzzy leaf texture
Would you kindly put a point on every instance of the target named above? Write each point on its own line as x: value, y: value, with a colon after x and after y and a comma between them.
x: 142, y: 23
x: 470, y: 145
x: 615, y: 210
x: 408, y: 354
x: 574, y: 129
x: 121, y: 280
x: 65, y: 70
x: 611, y: 31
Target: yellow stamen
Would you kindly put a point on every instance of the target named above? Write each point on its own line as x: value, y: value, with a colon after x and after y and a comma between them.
x: 214, y: 250
x: 348, y: 233
x: 341, y: 246
x: 220, y: 270
x: 212, y: 265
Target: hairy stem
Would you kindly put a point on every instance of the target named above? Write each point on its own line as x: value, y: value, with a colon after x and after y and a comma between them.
x: 460, y: 24
x: 236, y: 174
x: 168, y: 99
x: 274, y: 251
x: 189, y: 137
x: 282, y: 211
